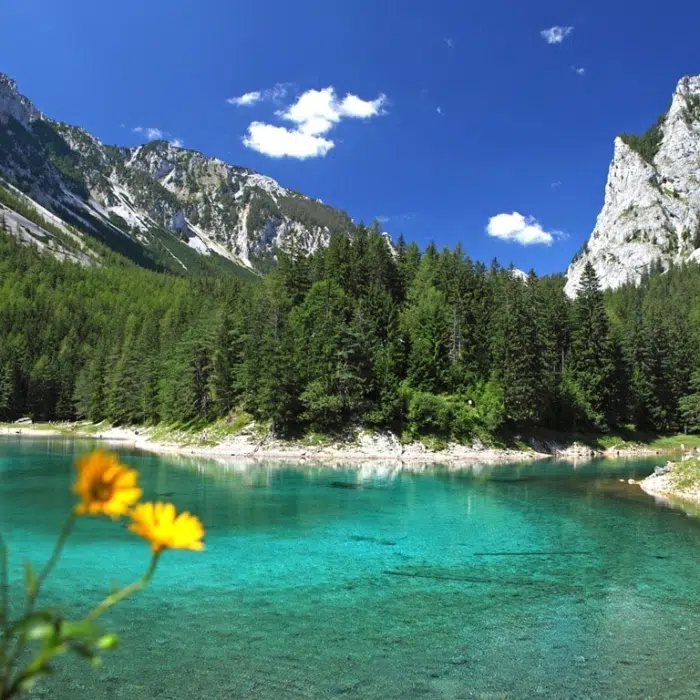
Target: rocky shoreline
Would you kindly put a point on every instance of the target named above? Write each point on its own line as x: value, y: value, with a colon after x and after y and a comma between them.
x: 366, y: 447
x: 663, y: 486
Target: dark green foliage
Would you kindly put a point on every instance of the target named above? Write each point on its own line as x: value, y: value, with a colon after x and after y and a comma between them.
x: 313, y: 214
x: 691, y: 110
x: 647, y: 144
x: 690, y: 405
x: 591, y: 366
x: 432, y: 344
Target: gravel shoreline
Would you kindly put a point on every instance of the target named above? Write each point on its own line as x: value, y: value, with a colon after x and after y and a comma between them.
x: 381, y: 447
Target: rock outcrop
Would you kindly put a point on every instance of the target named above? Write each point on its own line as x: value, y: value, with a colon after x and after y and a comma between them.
x: 651, y: 213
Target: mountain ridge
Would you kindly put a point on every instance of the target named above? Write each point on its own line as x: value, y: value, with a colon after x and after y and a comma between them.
x: 153, y: 199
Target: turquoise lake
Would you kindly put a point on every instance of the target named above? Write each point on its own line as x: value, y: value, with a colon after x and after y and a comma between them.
x: 528, y: 581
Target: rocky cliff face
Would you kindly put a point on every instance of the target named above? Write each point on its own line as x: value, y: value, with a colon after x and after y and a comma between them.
x: 651, y: 213
x: 158, y: 202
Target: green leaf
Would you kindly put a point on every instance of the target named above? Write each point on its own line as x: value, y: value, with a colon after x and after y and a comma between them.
x: 30, y: 581
x: 83, y: 630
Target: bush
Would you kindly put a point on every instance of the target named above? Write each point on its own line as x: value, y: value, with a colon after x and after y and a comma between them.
x: 465, y: 423
x: 429, y: 414
x: 490, y: 406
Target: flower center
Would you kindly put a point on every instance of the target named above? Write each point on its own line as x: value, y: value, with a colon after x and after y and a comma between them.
x: 101, y: 491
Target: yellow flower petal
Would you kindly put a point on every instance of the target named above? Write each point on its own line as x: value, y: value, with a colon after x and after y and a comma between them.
x: 105, y: 486
x: 160, y: 524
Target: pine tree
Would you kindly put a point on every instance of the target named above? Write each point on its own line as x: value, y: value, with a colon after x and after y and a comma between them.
x: 591, y: 367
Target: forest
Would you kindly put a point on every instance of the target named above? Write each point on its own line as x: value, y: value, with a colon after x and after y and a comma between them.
x: 427, y: 343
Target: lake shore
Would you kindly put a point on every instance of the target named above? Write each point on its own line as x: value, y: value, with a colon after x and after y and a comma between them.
x: 665, y: 486
x: 365, y: 447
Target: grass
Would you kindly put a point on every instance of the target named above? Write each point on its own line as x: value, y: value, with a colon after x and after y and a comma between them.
x: 621, y: 438
x: 204, y: 433
x: 64, y: 428
x: 686, y: 474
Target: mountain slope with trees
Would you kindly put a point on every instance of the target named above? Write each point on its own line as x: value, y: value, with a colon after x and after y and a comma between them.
x: 356, y: 333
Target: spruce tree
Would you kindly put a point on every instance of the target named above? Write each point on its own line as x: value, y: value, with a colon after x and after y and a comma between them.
x: 591, y: 367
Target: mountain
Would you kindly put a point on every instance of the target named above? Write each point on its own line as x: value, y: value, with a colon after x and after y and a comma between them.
x: 651, y: 213
x: 160, y: 205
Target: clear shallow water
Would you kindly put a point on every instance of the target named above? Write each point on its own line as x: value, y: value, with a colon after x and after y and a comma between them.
x: 535, y: 581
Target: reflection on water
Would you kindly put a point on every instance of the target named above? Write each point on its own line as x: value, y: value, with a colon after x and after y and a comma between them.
x: 519, y: 581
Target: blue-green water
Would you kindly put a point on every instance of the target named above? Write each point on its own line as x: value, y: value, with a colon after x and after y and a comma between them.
x: 536, y: 581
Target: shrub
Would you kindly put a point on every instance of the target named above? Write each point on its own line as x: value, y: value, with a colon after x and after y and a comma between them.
x: 429, y: 414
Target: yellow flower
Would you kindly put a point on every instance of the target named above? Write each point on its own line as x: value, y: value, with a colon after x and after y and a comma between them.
x: 164, y: 529
x: 105, y: 486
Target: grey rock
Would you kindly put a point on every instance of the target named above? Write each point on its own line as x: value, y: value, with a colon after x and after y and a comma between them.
x: 651, y: 212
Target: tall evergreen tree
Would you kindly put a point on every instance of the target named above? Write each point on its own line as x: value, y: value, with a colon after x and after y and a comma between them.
x: 591, y: 367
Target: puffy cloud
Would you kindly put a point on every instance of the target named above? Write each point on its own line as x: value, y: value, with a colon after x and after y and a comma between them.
x: 578, y: 70
x: 449, y: 42
x: 178, y: 143
x: 556, y: 34
x: 248, y: 99
x: 314, y: 114
x: 316, y: 111
x: 278, y: 142
x: 519, y: 229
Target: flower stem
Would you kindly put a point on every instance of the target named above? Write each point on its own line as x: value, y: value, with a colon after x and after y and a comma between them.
x: 114, y: 598
x: 4, y: 612
x: 4, y: 588
x: 48, y: 567
x: 12, y: 655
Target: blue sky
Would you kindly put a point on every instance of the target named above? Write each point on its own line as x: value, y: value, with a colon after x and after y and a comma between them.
x: 461, y: 111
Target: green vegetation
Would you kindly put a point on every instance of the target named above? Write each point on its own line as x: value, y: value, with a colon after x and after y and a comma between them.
x: 691, y: 110
x: 432, y: 345
x: 686, y: 474
x: 647, y: 144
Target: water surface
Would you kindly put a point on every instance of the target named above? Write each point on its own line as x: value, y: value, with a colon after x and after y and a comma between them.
x: 527, y: 581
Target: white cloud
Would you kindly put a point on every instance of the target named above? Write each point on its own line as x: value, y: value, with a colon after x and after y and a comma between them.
x: 555, y: 184
x: 278, y: 142
x: 153, y: 133
x: 556, y: 34
x: 274, y: 94
x: 408, y: 216
x: 316, y: 111
x: 520, y: 229
x: 449, y: 42
x: 248, y: 99
x: 439, y: 110
x: 578, y: 71
x: 314, y: 114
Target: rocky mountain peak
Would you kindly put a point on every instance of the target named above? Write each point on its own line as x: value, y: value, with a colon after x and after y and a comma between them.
x: 651, y: 212
x: 15, y: 105
x: 177, y: 204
